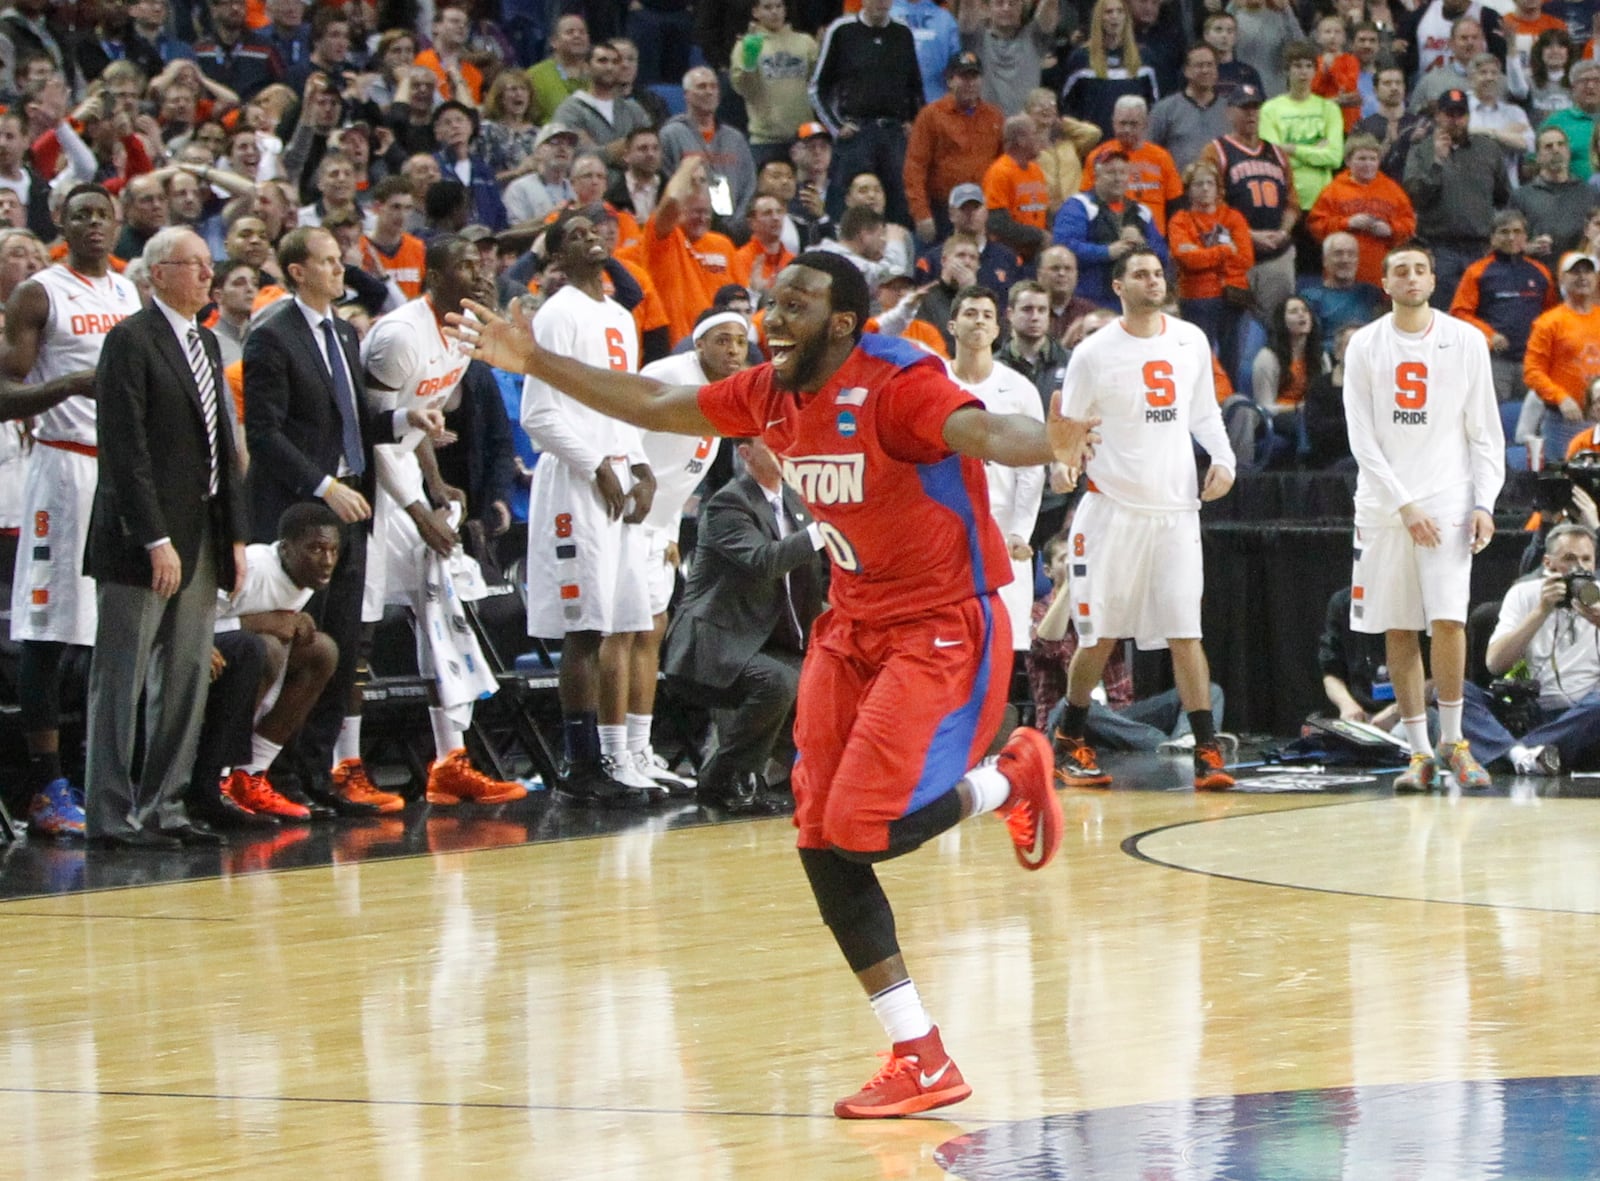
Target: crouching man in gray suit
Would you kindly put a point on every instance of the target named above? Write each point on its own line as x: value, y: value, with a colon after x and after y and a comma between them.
x: 736, y: 642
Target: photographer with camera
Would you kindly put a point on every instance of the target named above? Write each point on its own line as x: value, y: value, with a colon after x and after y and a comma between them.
x: 1549, y: 622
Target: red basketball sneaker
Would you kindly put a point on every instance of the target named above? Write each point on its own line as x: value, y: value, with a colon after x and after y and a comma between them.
x: 919, y: 1076
x: 1032, y: 812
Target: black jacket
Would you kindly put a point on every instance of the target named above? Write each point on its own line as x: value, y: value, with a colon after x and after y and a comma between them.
x: 291, y: 418
x: 155, y: 460
x: 734, y: 598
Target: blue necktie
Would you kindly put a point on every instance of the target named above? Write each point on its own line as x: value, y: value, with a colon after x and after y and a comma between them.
x: 353, y: 457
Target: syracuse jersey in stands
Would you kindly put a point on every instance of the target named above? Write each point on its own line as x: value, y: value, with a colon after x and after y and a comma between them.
x: 906, y: 520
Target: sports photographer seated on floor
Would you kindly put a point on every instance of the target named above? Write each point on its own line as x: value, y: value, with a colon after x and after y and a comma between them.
x: 736, y: 642
x: 1548, y: 636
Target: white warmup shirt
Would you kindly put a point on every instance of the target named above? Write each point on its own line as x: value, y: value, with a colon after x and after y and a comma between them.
x: 600, y: 334
x: 1422, y: 417
x: 1152, y: 394
x: 678, y: 461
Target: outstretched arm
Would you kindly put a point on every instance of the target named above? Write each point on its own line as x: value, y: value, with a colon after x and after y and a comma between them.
x: 509, y: 344
x: 1018, y: 441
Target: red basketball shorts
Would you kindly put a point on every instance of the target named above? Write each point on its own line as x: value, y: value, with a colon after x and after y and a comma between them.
x: 890, y: 716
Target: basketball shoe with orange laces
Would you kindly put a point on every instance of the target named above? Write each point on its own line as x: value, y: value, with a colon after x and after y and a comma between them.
x: 918, y: 1076
x: 254, y: 794
x: 454, y: 780
x: 1076, y: 764
x: 1031, y: 812
x: 1210, y: 767
x: 350, y: 783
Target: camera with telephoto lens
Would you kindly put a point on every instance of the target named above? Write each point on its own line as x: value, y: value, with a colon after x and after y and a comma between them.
x: 1557, y: 480
x: 1581, y: 589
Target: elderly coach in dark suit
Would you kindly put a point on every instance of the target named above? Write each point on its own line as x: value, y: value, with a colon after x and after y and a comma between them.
x: 738, y: 636
x: 311, y: 434
x: 168, y: 529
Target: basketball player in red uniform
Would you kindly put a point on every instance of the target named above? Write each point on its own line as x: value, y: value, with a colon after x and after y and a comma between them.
x: 904, y: 684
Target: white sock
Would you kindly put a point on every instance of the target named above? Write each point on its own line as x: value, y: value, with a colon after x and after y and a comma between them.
x: 899, y: 1010
x: 1417, y: 735
x: 1449, y: 722
x: 348, y: 744
x: 613, y: 739
x: 638, y: 726
x: 446, y: 736
x: 262, y: 752
x: 989, y: 788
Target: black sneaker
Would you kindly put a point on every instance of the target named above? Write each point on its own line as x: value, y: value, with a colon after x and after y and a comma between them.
x: 588, y: 784
x: 1076, y: 764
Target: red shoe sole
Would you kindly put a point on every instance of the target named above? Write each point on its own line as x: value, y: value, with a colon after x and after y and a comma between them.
x: 924, y: 1102
x: 1214, y: 783
x: 1082, y: 780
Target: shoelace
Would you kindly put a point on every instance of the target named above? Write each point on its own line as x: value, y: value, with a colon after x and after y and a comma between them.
x: 892, y: 1068
x: 1020, y: 822
x: 474, y: 776
x: 1210, y: 757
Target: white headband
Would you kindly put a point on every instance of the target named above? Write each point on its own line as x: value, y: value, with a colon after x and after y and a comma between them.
x: 717, y: 321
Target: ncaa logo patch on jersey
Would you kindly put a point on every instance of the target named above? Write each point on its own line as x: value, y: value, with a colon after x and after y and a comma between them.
x: 847, y: 424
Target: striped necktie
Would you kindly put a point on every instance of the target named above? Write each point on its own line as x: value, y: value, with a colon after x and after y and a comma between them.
x: 205, y: 378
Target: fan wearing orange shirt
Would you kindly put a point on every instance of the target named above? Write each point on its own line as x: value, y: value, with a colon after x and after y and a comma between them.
x: 1153, y: 178
x: 1338, y: 76
x: 685, y: 257
x: 1016, y: 191
x: 1365, y: 204
x: 1561, y: 361
x: 757, y: 263
x: 458, y: 78
x: 1212, y: 248
x: 399, y: 254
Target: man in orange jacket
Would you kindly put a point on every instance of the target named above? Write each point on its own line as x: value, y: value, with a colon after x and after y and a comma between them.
x: 1563, y: 354
x: 953, y: 141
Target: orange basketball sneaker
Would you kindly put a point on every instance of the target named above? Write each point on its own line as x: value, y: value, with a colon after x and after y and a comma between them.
x: 350, y: 783
x: 454, y: 780
x: 1211, y: 767
x: 919, y: 1076
x: 1032, y: 812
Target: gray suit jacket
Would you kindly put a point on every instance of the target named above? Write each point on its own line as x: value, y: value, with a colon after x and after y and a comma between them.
x: 734, y: 598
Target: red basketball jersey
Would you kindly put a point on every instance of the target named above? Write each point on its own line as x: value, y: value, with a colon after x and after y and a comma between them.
x: 906, y: 520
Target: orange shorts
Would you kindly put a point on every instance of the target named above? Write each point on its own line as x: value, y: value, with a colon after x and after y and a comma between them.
x: 892, y: 716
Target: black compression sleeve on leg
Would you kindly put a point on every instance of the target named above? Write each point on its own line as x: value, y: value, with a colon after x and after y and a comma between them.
x: 39, y: 685
x: 854, y: 907
x: 914, y: 829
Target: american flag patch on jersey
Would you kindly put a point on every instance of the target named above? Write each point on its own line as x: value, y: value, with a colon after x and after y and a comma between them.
x: 856, y: 395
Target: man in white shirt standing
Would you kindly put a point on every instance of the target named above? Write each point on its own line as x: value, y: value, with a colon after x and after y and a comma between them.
x: 1014, y: 492
x: 586, y: 554
x: 1425, y: 432
x: 1136, y: 562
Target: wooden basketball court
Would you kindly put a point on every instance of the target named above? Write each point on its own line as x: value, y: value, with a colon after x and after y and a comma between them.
x: 437, y: 997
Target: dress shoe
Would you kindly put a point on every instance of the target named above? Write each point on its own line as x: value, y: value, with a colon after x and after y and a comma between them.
x: 195, y: 834
x: 135, y: 838
x: 318, y: 809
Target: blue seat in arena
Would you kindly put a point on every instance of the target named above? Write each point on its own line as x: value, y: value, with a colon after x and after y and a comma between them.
x: 670, y: 94
x: 1252, y: 339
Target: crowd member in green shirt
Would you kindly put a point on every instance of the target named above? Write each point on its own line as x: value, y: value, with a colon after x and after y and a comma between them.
x: 1309, y: 128
x: 564, y: 71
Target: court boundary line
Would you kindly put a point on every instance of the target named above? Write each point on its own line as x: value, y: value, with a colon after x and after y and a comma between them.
x: 1130, y: 846
x: 440, y: 1104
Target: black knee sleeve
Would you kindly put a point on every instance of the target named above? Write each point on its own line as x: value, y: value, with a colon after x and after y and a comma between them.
x: 39, y: 685
x: 853, y: 906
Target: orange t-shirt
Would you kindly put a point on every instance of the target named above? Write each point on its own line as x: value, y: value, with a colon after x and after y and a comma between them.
x: 1153, y: 178
x: 404, y: 266
x: 1561, y: 358
x: 751, y: 262
x: 470, y: 74
x: 1342, y: 77
x: 686, y: 275
x: 1024, y: 193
